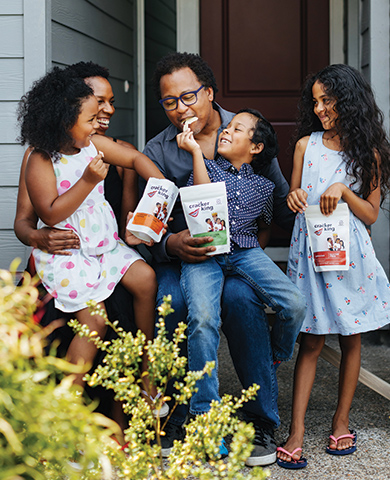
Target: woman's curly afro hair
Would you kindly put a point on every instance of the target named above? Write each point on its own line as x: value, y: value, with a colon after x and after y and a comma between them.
x: 359, y: 124
x: 263, y: 133
x: 50, y: 109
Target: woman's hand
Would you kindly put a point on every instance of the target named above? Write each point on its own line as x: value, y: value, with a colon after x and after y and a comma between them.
x: 330, y: 198
x: 296, y: 200
x: 55, y: 241
x: 132, y: 240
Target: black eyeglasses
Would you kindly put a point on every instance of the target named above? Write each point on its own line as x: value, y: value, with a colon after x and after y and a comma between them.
x: 187, y: 99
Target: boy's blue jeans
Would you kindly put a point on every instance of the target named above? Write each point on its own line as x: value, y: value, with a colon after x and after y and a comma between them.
x: 202, y: 285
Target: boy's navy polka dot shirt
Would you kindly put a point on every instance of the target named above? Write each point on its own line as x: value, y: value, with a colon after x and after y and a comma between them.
x: 249, y: 198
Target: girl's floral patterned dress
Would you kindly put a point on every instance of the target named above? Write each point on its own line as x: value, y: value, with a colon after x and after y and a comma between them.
x: 344, y: 302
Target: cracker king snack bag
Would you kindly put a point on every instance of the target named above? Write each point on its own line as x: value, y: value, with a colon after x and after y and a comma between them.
x: 153, y: 209
x: 206, y: 212
x: 328, y: 237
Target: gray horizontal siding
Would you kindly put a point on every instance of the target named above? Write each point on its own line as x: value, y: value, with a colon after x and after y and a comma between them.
x: 10, y: 161
x: 8, y: 129
x: 11, y: 7
x: 8, y: 197
x: 11, y: 89
x: 160, y: 39
x: 12, y: 248
x: 102, y: 32
x: 11, y: 36
x: 11, y: 85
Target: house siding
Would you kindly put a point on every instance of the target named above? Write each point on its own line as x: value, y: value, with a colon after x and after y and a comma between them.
x: 102, y: 32
x: 160, y: 39
x: 11, y: 89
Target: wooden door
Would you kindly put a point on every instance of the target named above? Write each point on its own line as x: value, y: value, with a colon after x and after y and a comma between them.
x: 261, y: 51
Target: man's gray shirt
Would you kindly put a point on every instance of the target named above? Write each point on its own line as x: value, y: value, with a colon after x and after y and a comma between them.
x: 176, y: 165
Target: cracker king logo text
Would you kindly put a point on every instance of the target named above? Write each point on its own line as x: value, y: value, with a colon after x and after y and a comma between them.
x: 323, y: 227
x: 163, y: 192
x: 200, y: 207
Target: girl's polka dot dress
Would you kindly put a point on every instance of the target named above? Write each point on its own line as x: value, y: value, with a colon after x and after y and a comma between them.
x: 92, y: 272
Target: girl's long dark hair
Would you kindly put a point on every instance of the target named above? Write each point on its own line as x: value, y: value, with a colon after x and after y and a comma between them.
x: 359, y: 125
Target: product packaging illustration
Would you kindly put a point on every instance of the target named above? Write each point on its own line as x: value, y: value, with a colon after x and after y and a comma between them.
x: 206, y: 212
x: 328, y: 237
x: 153, y: 209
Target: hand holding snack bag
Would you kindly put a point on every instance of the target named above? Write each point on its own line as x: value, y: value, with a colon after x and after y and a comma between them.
x: 206, y: 212
x: 153, y: 210
x: 328, y: 237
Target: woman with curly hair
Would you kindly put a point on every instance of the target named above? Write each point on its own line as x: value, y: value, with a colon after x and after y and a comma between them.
x: 121, y: 192
x: 342, y: 155
x: 64, y: 179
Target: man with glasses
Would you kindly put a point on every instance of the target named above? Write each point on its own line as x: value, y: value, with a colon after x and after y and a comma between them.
x: 186, y: 87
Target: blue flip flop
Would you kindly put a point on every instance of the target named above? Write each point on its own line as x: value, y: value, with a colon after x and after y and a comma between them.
x: 293, y: 464
x: 346, y: 451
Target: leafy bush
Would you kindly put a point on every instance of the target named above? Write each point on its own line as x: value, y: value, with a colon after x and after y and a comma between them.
x: 198, y: 455
x: 48, y: 432
x: 44, y: 424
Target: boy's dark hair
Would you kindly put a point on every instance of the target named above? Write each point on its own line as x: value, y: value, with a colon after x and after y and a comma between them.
x: 50, y: 109
x: 87, y: 69
x: 263, y: 133
x: 176, y: 61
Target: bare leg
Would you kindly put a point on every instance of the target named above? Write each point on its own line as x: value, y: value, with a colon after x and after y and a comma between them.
x: 140, y: 281
x: 305, y: 371
x: 80, y: 350
x: 348, y: 378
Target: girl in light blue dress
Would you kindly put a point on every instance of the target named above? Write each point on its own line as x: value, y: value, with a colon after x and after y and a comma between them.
x: 342, y: 155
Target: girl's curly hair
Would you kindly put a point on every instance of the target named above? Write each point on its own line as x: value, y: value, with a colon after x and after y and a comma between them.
x: 359, y: 125
x: 263, y: 133
x: 50, y: 109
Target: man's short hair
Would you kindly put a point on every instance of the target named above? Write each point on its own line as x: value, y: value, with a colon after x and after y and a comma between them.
x: 178, y: 60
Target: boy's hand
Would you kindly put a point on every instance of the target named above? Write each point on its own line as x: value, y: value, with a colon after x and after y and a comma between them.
x: 187, y: 142
x: 296, y: 200
x: 96, y: 170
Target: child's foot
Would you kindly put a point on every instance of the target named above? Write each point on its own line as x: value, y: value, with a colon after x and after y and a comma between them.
x: 341, y: 438
x: 159, y: 409
x: 293, y: 446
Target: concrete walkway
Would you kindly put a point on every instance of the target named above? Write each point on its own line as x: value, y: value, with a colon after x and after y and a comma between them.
x: 370, y: 415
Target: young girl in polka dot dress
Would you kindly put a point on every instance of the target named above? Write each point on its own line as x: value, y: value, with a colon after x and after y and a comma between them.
x: 246, y: 146
x: 64, y: 178
x: 342, y: 155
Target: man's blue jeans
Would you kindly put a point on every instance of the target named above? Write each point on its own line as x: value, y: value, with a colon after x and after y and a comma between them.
x: 245, y: 324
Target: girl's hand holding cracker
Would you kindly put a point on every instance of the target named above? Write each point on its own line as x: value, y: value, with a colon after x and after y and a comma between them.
x: 296, y: 200
x: 96, y: 171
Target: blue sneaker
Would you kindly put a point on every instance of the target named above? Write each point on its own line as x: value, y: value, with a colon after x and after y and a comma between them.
x: 223, y: 451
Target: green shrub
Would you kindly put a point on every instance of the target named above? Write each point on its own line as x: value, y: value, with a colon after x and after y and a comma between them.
x: 198, y: 455
x: 48, y: 432
x: 44, y: 424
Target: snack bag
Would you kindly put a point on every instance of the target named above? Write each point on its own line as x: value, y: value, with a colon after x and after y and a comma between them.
x: 206, y: 212
x: 328, y: 237
x: 153, y: 209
